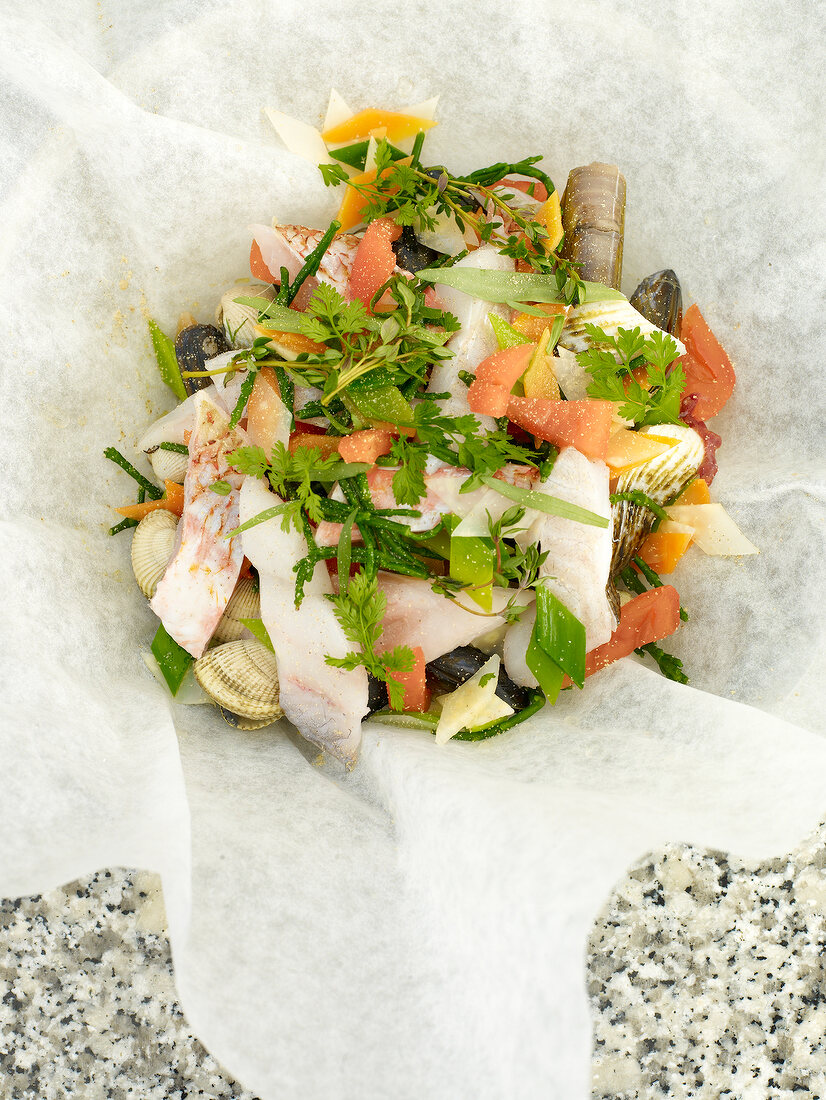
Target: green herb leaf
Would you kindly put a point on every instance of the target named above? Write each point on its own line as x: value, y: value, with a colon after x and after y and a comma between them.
x: 543, y: 502
x: 506, y: 335
x: 222, y: 488
x: 611, y: 361
x: 173, y: 660
x: 510, y: 286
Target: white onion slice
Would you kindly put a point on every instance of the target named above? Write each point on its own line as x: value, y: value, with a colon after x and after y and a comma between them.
x: 300, y: 138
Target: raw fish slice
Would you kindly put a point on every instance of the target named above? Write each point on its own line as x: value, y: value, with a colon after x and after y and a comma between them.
x: 172, y: 426
x: 474, y: 341
x: 199, y: 580
x: 290, y: 245
x: 579, y: 556
x: 418, y: 616
x: 324, y: 703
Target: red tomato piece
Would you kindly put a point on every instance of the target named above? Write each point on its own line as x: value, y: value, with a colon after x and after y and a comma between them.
x: 647, y: 618
x: 258, y: 269
x: 585, y: 425
x: 374, y: 260
x: 506, y: 367
x: 708, y: 370
x: 488, y: 398
x: 530, y: 187
x: 365, y: 446
x: 416, y: 691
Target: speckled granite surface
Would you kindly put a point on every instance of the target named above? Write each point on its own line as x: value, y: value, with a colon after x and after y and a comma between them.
x: 708, y: 981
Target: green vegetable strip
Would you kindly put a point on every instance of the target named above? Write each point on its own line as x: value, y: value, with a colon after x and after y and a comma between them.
x: 485, y: 177
x: 547, y: 672
x: 122, y: 526
x: 542, y: 502
x: 655, y: 582
x: 417, y: 148
x: 356, y: 154
x: 311, y: 264
x: 510, y: 286
x: 636, y: 496
x: 176, y: 448
x: 173, y: 661
x: 345, y: 544
x: 141, y: 495
x: 258, y: 630
x: 494, y: 728
x: 243, y: 397
x: 669, y: 665
x: 560, y: 634
x: 152, y: 491
x: 506, y: 335
x: 168, y: 367
x: 286, y: 389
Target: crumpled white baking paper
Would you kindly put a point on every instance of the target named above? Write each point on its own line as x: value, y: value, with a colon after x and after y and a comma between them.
x: 415, y: 928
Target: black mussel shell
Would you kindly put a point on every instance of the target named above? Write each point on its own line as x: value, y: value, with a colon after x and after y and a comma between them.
x: 467, y: 202
x: 376, y: 694
x: 454, y: 668
x: 411, y: 254
x: 659, y: 298
x: 194, y: 347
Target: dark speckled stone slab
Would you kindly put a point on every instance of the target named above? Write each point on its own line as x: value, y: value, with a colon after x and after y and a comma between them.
x: 708, y: 980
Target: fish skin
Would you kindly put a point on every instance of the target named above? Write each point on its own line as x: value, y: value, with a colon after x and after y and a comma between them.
x: 579, y: 556
x: 194, y: 591
x: 443, y: 495
x: 290, y: 245
x: 474, y: 341
x: 324, y: 703
x: 418, y: 616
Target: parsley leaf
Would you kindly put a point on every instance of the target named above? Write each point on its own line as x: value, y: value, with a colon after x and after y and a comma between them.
x: 613, y: 358
x: 360, y: 613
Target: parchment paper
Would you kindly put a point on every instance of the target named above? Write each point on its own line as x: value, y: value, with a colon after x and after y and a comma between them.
x: 415, y: 928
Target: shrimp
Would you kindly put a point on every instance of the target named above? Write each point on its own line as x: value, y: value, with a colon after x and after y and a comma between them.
x: 290, y: 245
x: 199, y: 580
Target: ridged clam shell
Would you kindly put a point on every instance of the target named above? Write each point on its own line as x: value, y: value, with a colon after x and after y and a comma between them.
x: 660, y: 478
x: 238, y: 320
x: 152, y: 545
x: 169, y: 465
x: 244, y: 603
x: 239, y: 723
x: 609, y: 316
x: 242, y: 677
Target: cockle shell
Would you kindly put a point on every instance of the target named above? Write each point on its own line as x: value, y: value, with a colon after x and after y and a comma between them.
x: 152, y: 545
x: 169, y: 465
x: 238, y: 321
x: 660, y: 478
x: 244, y: 603
x: 610, y: 316
x: 242, y: 677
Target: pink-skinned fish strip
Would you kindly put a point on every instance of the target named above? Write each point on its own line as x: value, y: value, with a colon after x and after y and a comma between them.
x: 202, y: 573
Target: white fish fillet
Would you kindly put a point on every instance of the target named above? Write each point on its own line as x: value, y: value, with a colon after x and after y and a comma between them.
x: 170, y: 427
x: 579, y: 555
x: 325, y: 704
x: 418, y: 616
x: 200, y: 578
x: 474, y: 341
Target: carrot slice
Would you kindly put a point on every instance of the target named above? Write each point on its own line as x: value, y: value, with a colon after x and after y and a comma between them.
x: 172, y: 502
x: 396, y: 126
x: 663, y: 548
x: 365, y: 446
x: 696, y: 493
x: 532, y: 326
x: 327, y: 444
x: 351, y: 211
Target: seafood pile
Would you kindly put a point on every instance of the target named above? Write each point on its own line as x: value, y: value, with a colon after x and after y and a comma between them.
x: 428, y: 464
